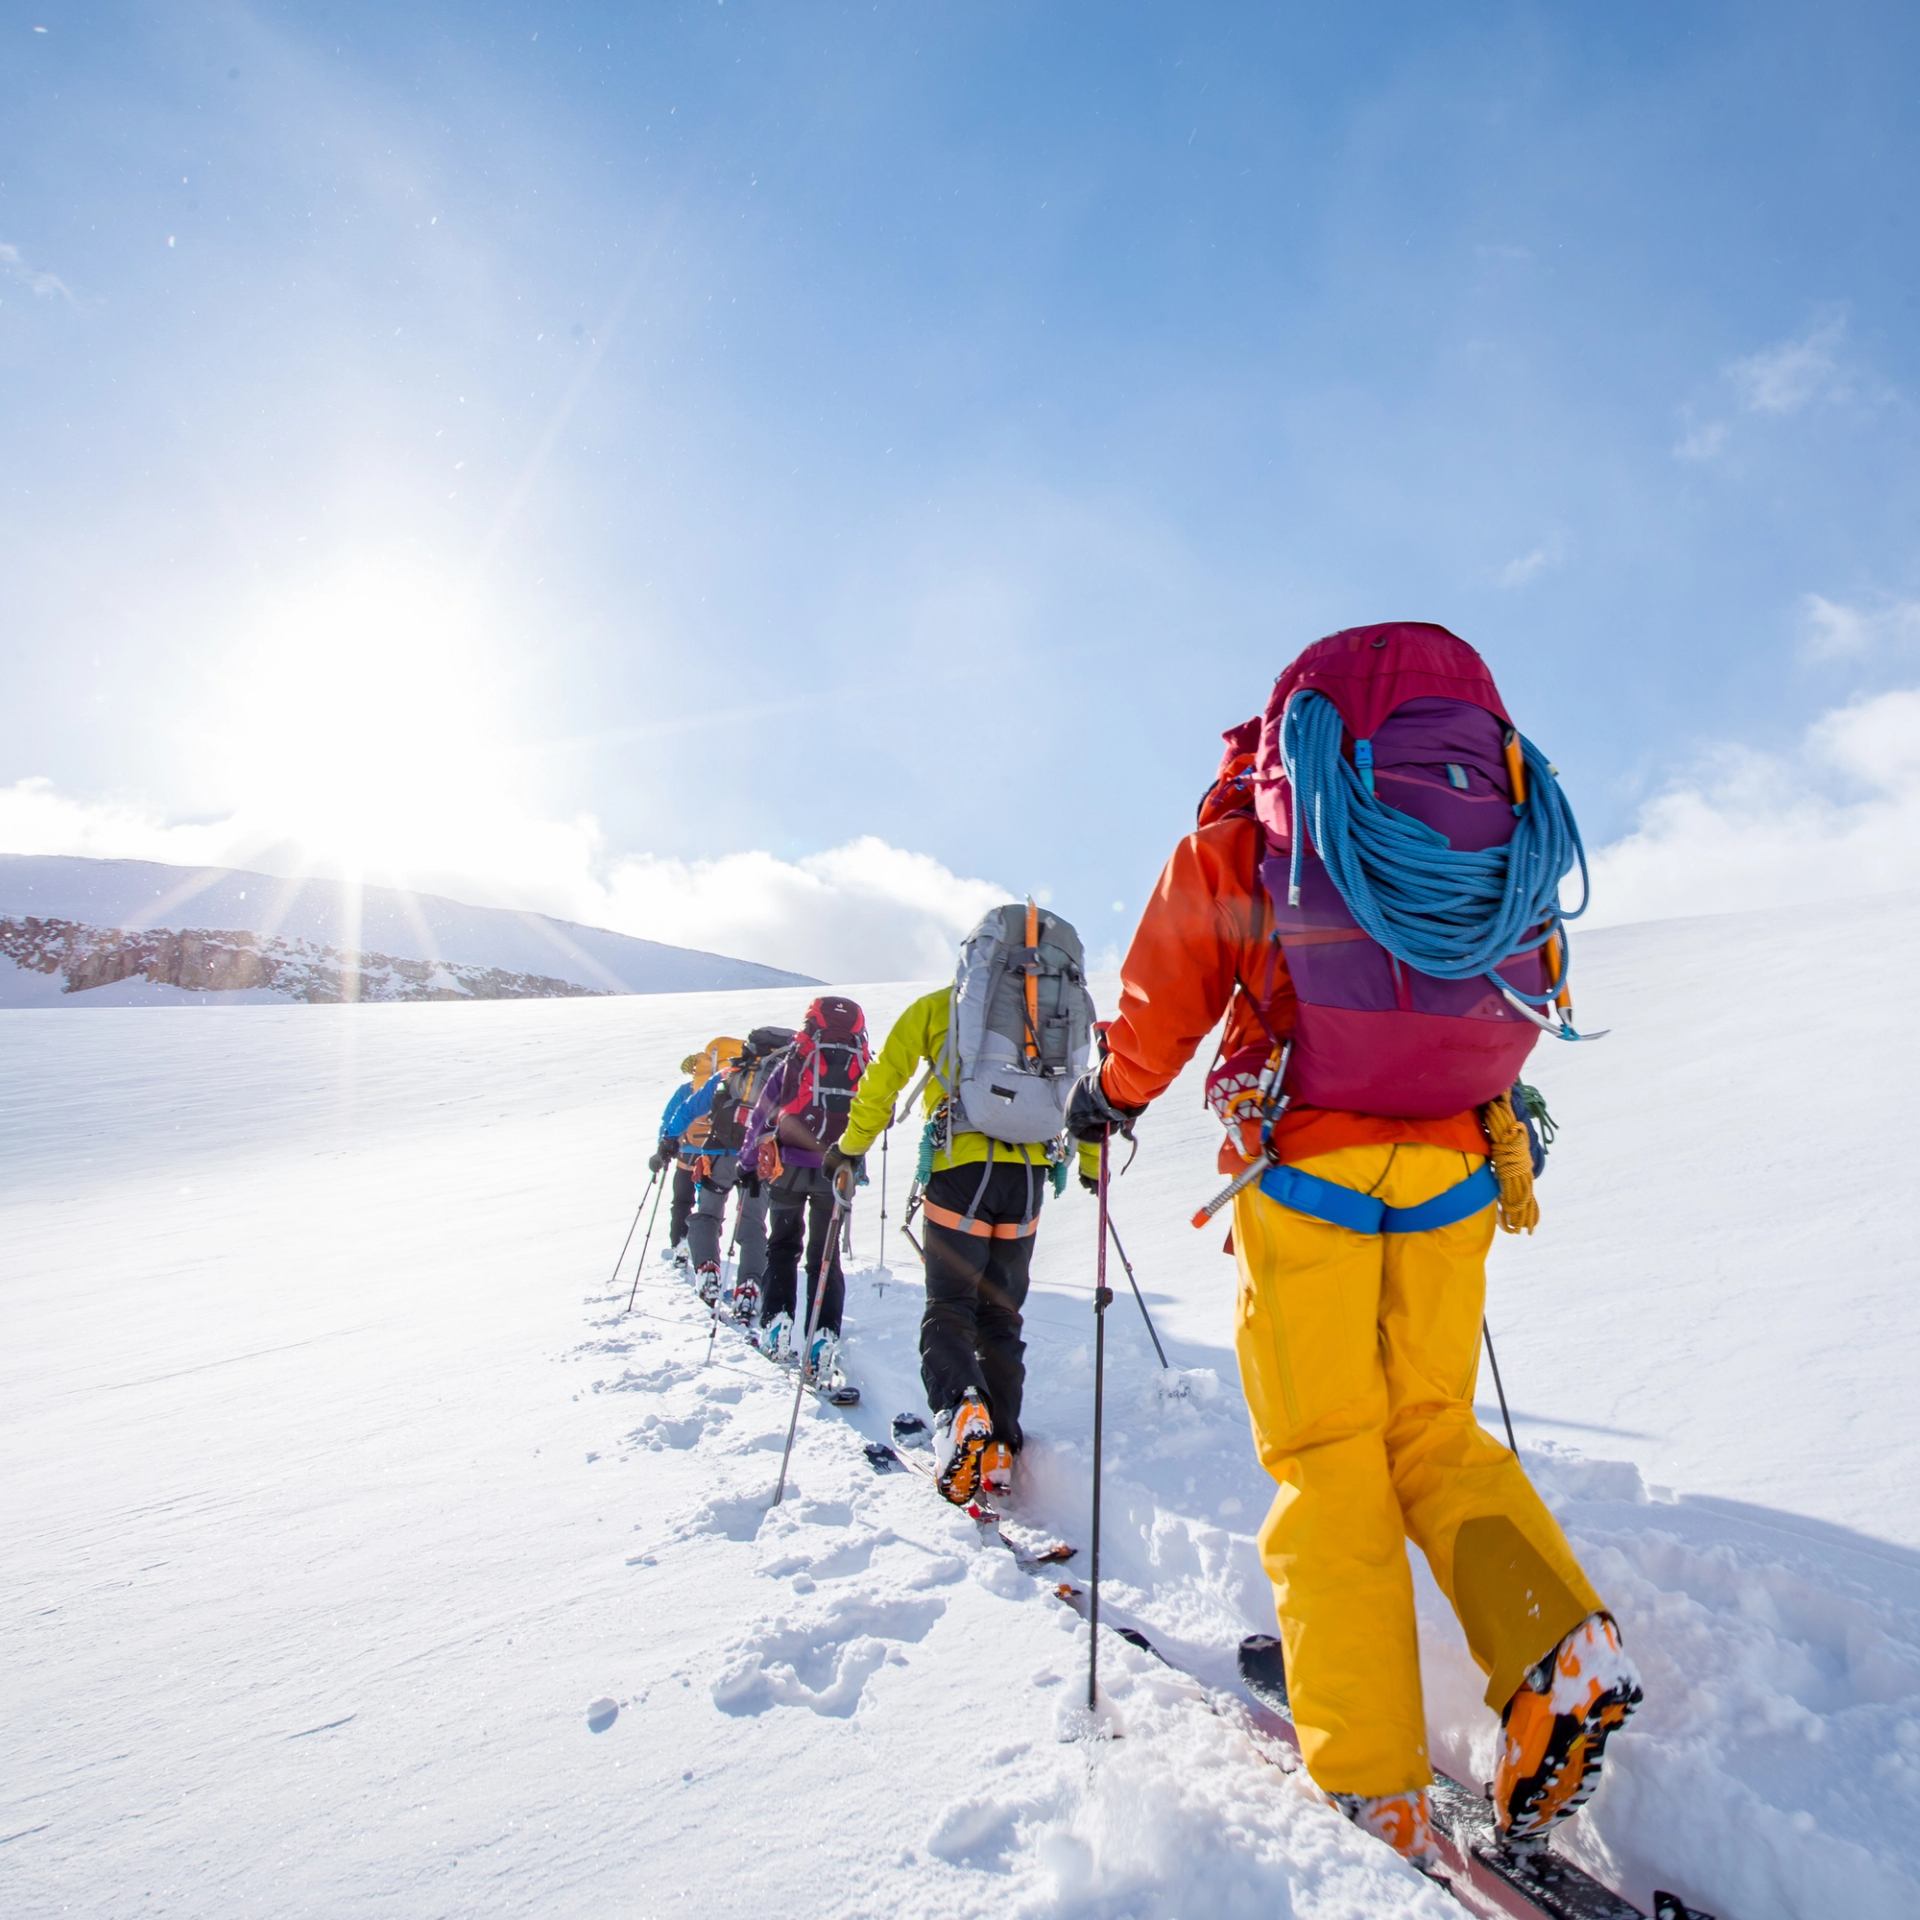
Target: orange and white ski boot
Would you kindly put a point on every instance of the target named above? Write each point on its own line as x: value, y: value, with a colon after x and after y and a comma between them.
x: 960, y: 1437
x: 1556, y: 1728
x: 996, y: 1470
x: 1403, y: 1820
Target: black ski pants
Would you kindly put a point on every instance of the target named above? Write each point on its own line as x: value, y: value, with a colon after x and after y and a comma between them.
x: 802, y: 1210
x: 680, y: 1208
x: 977, y: 1277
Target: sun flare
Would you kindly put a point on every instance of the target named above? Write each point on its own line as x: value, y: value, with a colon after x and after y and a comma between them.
x: 364, y: 720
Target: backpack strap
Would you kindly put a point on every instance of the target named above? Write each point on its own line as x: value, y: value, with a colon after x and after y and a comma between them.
x: 980, y: 1192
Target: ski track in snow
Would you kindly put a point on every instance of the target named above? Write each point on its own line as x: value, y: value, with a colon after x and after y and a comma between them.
x: 362, y: 1560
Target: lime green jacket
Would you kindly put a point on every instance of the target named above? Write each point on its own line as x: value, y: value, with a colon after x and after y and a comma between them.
x: 919, y: 1039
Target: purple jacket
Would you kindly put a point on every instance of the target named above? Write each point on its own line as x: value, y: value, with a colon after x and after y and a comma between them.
x: 764, y: 1118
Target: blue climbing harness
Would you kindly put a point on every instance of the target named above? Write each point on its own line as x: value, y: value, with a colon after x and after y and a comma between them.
x: 1339, y: 1206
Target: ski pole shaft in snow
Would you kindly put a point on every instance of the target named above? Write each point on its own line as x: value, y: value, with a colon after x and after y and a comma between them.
x: 1512, y: 1444
x: 713, y: 1332
x: 647, y: 1242
x: 631, y: 1231
x: 1135, y: 1285
x: 1100, y: 1299
x: 813, y: 1315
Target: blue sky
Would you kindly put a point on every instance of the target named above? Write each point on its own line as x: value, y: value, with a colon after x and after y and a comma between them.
x: 805, y: 425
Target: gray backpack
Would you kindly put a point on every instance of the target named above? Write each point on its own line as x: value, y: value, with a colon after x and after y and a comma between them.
x: 1020, y: 1027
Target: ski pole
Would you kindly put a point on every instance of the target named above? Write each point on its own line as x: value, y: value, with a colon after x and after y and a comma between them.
x: 647, y: 1242
x: 1101, y: 1298
x: 883, y: 1273
x: 1512, y: 1444
x: 631, y: 1231
x: 813, y: 1315
x: 713, y: 1332
x: 1135, y: 1285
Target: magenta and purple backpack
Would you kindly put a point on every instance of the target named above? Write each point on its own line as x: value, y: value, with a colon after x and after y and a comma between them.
x: 1422, y: 765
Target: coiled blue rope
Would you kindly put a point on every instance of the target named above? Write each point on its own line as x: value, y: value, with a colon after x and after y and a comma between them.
x: 1435, y: 908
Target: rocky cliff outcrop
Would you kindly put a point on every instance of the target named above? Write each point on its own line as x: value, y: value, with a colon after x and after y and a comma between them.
x: 200, y: 960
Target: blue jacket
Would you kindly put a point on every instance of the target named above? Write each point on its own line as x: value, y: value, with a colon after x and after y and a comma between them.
x: 673, y: 1122
x: 689, y: 1104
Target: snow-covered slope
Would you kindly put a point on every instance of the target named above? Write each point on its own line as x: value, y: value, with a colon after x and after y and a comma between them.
x: 341, y: 1488
x: 313, y: 914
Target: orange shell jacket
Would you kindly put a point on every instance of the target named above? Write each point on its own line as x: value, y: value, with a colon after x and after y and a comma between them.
x: 1202, y: 950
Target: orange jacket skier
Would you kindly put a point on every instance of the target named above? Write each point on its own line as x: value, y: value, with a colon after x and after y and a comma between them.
x: 1362, y: 1231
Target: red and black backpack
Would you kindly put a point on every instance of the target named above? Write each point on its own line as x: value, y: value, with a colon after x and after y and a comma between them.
x: 824, y: 1065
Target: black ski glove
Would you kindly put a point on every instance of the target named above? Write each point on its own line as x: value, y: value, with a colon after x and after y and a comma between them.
x: 1091, y: 1181
x: 836, y: 1163
x: 749, y: 1184
x: 658, y: 1160
x: 1092, y: 1116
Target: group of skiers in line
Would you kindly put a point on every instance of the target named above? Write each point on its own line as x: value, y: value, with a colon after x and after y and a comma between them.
x: 785, y: 1118
x: 726, y: 1132
x: 1370, y: 901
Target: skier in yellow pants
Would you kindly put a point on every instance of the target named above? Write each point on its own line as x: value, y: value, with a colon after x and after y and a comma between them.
x: 1364, y: 1102
x: 1373, y: 1440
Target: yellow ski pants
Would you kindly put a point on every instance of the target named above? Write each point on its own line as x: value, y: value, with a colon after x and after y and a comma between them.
x: 1358, y: 1355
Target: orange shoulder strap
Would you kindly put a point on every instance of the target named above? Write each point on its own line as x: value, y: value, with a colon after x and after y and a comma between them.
x: 1033, y: 984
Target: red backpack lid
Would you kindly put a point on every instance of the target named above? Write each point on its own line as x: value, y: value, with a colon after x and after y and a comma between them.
x: 1367, y: 672
x: 833, y: 1017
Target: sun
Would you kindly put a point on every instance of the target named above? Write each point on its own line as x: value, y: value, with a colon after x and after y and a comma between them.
x: 363, y: 718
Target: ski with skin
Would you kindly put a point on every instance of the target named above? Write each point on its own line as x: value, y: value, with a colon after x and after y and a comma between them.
x: 1486, y: 1878
x: 1494, y: 1884
x: 912, y: 1432
x: 1536, y: 1882
x: 837, y: 1392
x: 1038, y: 1559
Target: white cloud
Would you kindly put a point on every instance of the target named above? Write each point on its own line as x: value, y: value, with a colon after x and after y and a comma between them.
x: 863, y: 911
x: 43, y: 285
x: 1833, y: 630
x: 1534, y: 562
x: 1837, y: 816
x: 1703, y: 440
x: 1791, y: 375
x: 1813, y: 369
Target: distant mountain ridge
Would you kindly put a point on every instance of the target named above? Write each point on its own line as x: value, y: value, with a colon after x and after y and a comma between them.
x: 264, y: 937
